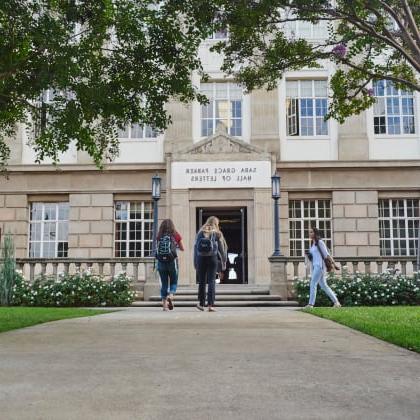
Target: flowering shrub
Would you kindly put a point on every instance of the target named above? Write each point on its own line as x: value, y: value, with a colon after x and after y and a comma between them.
x: 80, y: 289
x: 359, y: 289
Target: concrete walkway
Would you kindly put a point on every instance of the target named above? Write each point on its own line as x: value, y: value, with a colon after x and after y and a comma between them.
x: 233, y: 364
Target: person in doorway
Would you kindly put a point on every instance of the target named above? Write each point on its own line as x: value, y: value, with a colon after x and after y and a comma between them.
x: 168, y: 242
x: 317, y: 254
x: 210, y: 248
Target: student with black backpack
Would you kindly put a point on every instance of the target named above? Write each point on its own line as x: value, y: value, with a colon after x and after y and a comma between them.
x: 168, y: 241
x: 210, y: 248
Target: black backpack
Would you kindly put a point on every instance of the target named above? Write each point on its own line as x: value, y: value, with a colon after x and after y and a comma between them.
x: 207, y: 246
x: 166, y: 249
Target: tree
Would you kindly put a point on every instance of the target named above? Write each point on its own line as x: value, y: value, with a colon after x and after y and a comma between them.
x: 104, y: 63
x: 367, y: 39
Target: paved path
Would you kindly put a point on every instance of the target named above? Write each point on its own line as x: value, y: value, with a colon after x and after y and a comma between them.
x: 233, y: 364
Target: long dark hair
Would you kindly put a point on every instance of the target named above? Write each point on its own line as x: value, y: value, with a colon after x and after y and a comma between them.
x: 167, y: 227
x: 317, y: 234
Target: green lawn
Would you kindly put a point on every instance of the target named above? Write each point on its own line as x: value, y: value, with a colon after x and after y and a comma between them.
x: 398, y: 324
x: 12, y: 318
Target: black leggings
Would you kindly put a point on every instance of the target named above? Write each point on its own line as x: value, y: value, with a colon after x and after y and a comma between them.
x: 206, y: 270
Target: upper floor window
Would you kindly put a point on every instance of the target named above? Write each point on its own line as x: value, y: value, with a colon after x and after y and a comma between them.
x: 303, y: 214
x: 225, y: 106
x: 137, y: 131
x: 133, y: 228
x: 307, y: 30
x: 307, y: 105
x: 399, y: 221
x: 219, y: 34
x: 393, y: 110
x: 48, y: 233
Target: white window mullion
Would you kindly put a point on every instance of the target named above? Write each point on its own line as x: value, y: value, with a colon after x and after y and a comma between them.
x: 41, y: 248
x: 391, y: 226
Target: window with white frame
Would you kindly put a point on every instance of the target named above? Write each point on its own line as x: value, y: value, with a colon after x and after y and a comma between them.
x: 307, y: 30
x: 225, y: 106
x: 133, y: 228
x: 399, y: 221
x: 219, y: 34
x: 306, y: 105
x: 303, y: 214
x: 48, y: 231
x: 393, y: 111
x: 137, y: 131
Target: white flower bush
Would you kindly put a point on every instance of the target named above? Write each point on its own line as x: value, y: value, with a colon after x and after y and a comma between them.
x: 80, y: 289
x: 357, y: 289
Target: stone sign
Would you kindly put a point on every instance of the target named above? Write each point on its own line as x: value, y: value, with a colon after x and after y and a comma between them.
x: 247, y: 174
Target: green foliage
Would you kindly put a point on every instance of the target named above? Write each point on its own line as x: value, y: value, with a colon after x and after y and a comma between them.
x: 367, y: 40
x: 8, y: 274
x: 109, y: 63
x: 80, y: 289
x: 365, y: 289
x: 14, y: 318
x: 399, y: 325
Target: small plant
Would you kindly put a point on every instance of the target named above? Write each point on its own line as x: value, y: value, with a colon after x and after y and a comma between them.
x: 7, y: 271
x: 358, y: 289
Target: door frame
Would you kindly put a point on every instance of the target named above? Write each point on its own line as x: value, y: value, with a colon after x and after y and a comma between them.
x: 243, y: 198
x: 243, y: 213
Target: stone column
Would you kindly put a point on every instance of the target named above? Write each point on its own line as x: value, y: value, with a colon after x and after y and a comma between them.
x: 278, y: 284
x: 180, y: 213
x: 263, y: 235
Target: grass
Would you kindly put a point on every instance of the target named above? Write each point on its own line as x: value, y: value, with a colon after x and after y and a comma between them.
x: 399, y: 325
x: 12, y: 318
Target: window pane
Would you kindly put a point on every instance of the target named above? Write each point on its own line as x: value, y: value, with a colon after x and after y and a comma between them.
x: 306, y: 88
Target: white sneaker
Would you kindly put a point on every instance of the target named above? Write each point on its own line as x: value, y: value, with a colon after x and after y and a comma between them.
x: 337, y: 305
x: 309, y: 306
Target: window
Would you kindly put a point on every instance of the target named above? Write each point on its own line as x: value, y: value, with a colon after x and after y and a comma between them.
x: 307, y: 30
x: 393, y: 110
x: 133, y: 229
x: 303, y: 214
x: 49, y: 229
x: 219, y: 34
x: 399, y: 226
x: 137, y: 131
x: 306, y: 104
x: 225, y: 106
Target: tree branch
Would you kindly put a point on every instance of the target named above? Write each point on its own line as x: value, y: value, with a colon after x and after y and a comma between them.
x: 411, y: 21
x: 395, y: 79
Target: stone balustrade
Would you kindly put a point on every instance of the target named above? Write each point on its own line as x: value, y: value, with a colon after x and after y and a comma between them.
x: 138, y: 268
x: 285, y: 270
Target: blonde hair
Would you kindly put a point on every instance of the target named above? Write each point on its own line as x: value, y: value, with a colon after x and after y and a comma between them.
x: 212, y: 226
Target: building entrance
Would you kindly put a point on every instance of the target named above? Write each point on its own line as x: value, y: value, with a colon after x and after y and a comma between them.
x: 233, y: 223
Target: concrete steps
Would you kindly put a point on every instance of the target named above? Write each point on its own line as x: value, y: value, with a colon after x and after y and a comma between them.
x: 221, y: 304
x: 226, y: 296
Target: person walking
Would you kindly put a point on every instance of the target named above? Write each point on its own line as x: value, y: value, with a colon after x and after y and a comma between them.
x: 317, y: 254
x: 210, y: 255
x: 168, y: 241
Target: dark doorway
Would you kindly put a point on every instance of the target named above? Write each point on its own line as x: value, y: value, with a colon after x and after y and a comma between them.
x: 233, y: 223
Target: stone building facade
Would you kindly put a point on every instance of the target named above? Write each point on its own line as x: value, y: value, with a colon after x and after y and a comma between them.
x: 359, y: 182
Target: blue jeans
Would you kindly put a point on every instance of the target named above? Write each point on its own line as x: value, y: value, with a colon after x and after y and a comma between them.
x: 318, y: 276
x: 168, y: 272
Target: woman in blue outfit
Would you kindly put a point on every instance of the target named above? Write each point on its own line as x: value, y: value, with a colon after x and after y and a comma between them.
x: 210, y: 256
x: 168, y: 242
x: 317, y: 253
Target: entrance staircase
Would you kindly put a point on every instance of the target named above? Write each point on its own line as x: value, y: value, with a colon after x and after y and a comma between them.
x: 226, y: 296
